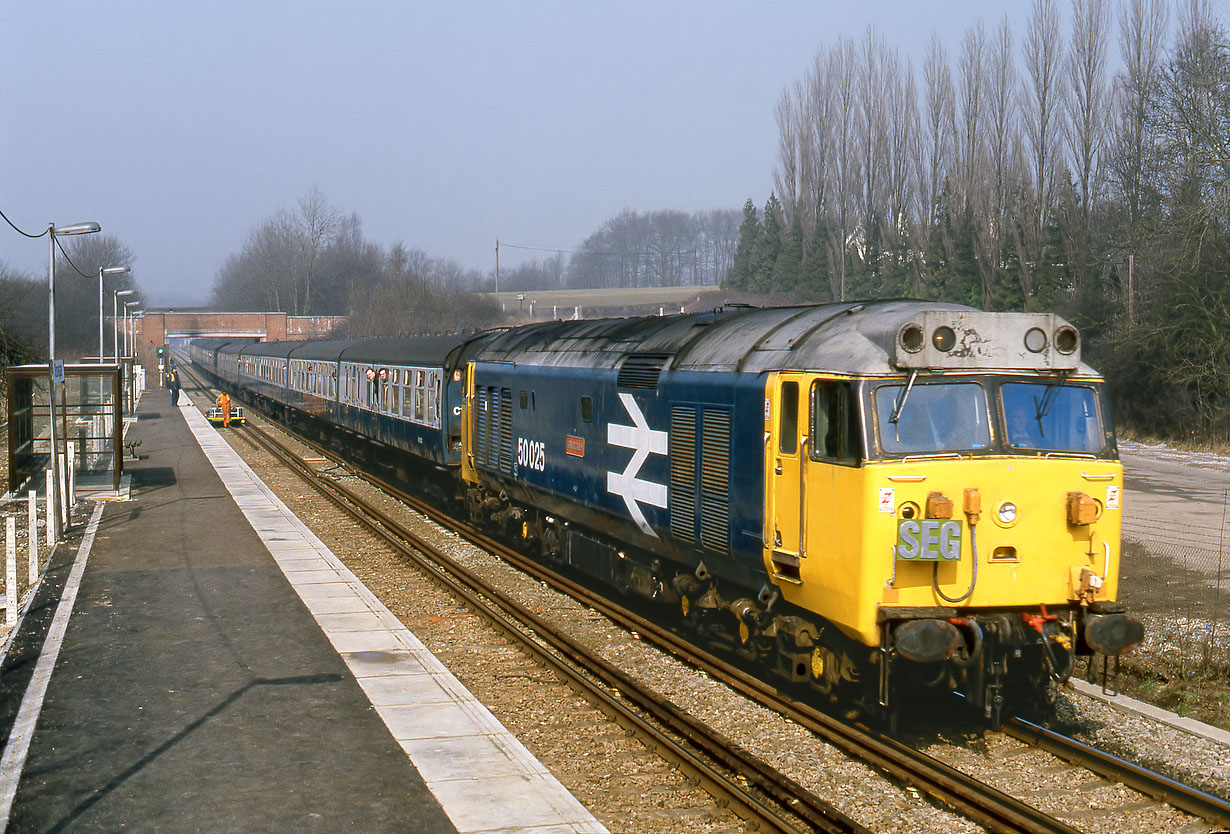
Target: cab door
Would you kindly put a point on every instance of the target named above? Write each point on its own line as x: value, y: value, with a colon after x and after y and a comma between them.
x: 785, y: 456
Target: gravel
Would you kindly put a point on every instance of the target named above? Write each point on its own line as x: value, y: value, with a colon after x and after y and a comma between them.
x: 630, y: 789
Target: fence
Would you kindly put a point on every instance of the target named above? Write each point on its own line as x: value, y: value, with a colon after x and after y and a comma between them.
x: 1182, y: 593
x: 22, y: 541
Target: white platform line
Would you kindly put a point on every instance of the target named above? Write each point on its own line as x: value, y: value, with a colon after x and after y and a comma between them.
x: 482, y: 776
x: 18, y: 746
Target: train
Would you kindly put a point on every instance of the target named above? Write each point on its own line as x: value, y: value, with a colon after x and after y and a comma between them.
x: 863, y: 499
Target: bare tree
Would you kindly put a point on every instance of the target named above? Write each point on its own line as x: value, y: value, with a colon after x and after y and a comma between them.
x: 1043, y: 106
x: 843, y: 75
x: 1142, y: 26
x: 872, y: 126
x: 317, y: 224
x: 1001, y: 129
x: 1197, y: 115
x: 790, y: 115
x: 1087, y: 103
x: 902, y: 153
x: 23, y: 318
x: 816, y: 160
x: 972, y: 74
x: 940, y: 121
x: 77, y: 288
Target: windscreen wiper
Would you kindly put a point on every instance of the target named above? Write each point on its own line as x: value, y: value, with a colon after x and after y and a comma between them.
x: 905, y: 394
x: 1041, y: 409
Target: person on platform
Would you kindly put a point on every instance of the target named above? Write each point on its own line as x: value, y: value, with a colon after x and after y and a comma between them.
x: 224, y: 405
x: 173, y: 384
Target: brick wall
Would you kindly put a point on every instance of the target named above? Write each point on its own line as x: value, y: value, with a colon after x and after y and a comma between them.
x: 153, y: 327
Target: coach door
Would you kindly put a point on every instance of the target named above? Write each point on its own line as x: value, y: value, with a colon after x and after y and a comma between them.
x: 785, y: 458
x: 468, y: 473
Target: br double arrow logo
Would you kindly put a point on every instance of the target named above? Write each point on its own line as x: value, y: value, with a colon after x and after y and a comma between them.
x: 644, y: 442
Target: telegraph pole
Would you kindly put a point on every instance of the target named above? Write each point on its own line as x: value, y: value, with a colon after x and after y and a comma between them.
x: 1131, y: 302
x: 497, y: 266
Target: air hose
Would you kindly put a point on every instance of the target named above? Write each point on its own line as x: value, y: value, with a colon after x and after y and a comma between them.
x: 1055, y: 674
x: 935, y: 571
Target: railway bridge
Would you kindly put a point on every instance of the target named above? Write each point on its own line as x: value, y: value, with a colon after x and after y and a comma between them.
x: 157, y: 327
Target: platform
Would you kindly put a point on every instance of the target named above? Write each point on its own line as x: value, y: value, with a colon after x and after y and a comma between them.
x: 221, y: 670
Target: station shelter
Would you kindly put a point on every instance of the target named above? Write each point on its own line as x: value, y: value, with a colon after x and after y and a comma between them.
x: 89, y: 410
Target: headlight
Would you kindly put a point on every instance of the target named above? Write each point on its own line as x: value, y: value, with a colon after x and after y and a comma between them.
x: 1067, y: 340
x: 1006, y: 512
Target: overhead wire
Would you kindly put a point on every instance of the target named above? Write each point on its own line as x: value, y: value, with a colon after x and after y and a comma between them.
x: 18, y: 230
x: 589, y: 251
x: 60, y: 246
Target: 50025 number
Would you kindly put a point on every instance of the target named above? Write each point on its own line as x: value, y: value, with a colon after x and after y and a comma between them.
x: 531, y: 454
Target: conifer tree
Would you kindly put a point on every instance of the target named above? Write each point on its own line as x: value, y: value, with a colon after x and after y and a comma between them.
x: 768, y: 248
x: 743, y: 266
x: 789, y: 268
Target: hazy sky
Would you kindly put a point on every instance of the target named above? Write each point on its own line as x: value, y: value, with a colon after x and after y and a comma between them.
x: 181, y: 126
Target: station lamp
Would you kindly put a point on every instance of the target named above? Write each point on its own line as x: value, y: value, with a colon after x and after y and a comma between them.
x: 115, y: 319
x: 130, y: 338
x: 110, y: 270
x: 54, y: 231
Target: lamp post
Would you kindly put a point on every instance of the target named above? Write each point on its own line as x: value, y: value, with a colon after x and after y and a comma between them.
x: 110, y: 270
x: 52, y: 232
x: 115, y: 320
x: 125, y: 373
x: 130, y: 338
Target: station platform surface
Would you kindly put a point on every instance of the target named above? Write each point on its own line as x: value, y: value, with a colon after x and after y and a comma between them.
x: 200, y: 661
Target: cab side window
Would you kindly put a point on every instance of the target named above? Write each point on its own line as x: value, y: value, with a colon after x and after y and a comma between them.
x: 788, y: 419
x: 834, y: 430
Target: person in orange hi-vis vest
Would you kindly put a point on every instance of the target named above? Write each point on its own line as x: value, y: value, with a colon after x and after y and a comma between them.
x: 224, y: 405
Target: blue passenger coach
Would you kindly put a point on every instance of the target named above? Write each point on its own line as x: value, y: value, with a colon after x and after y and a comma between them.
x: 404, y: 393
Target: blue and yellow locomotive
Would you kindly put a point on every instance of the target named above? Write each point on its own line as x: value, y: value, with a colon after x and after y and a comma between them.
x: 862, y: 497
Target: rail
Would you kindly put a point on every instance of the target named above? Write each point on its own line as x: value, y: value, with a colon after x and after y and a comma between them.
x: 1162, y: 788
x: 721, y: 766
x: 981, y: 803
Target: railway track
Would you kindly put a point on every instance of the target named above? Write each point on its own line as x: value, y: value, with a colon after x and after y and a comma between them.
x: 774, y: 800
x: 1186, y: 798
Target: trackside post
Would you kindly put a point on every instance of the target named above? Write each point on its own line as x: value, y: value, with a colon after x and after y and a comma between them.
x: 10, y: 570
x: 32, y: 533
x: 51, y: 519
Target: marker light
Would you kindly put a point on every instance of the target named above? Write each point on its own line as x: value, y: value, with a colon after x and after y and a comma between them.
x: 944, y: 339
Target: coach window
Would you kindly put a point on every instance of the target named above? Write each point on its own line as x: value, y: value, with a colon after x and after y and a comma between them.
x: 788, y: 419
x: 587, y: 409
x: 834, y: 423
x: 433, y: 406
